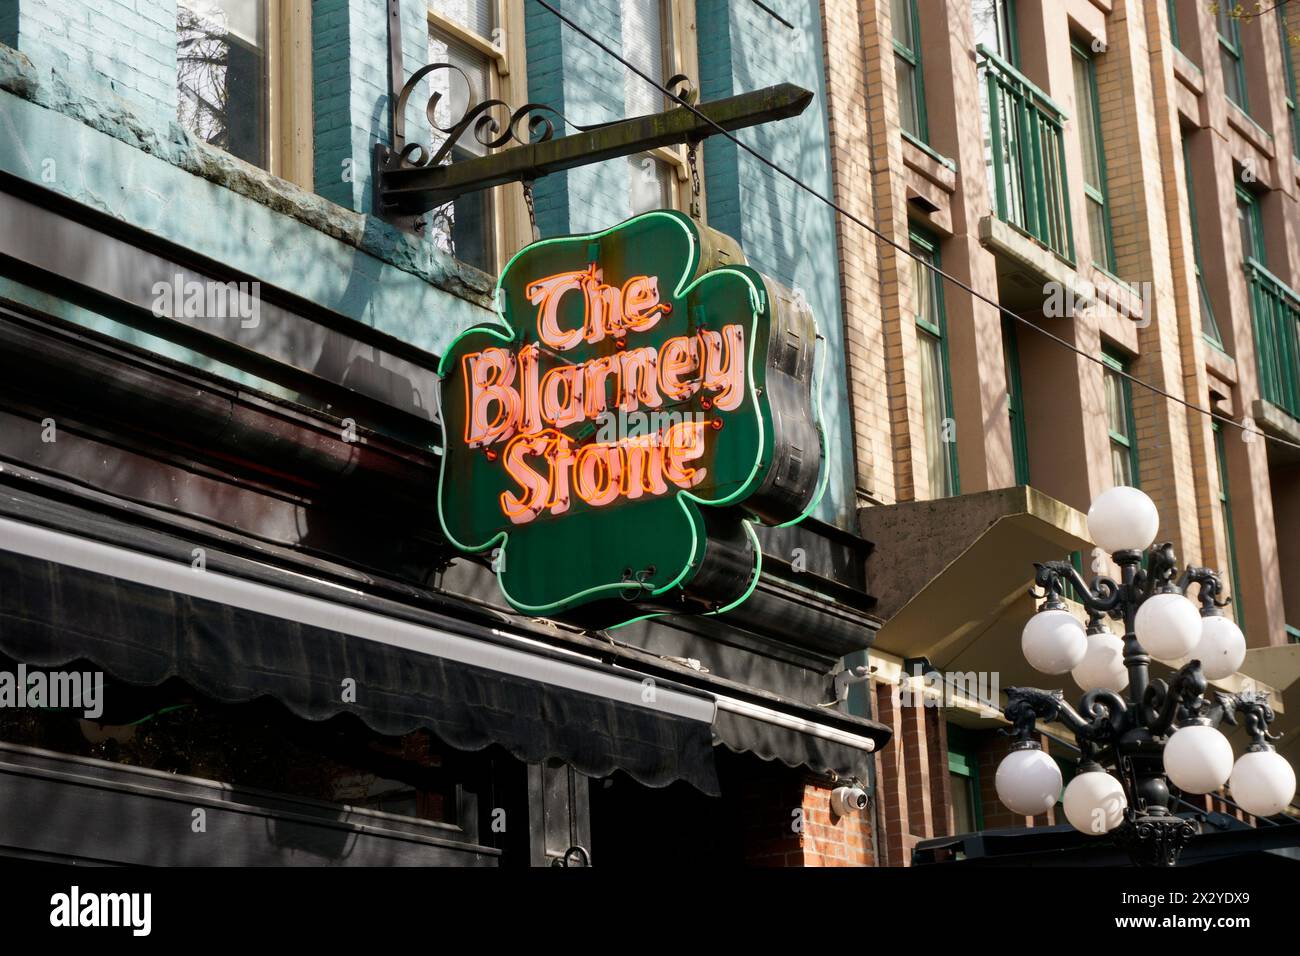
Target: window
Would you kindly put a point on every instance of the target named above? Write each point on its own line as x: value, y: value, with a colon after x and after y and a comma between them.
x: 907, y: 69
x: 1225, y: 510
x: 963, y: 777
x: 1094, y: 160
x: 1209, y: 325
x: 1288, y: 67
x: 995, y: 28
x: 1015, y: 402
x: 460, y: 33
x: 242, y: 85
x: 1119, y: 422
x: 1250, y: 227
x: 647, y: 33
x: 936, y: 390
x: 1234, y: 73
x: 1173, y: 22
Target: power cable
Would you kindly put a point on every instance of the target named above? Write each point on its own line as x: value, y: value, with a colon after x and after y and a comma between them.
x: 882, y: 237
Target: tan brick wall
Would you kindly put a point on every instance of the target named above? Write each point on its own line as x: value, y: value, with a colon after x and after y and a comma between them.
x: 1146, y: 111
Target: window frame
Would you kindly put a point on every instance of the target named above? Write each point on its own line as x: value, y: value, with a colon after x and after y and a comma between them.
x: 1119, y: 364
x: 1203, y: 292
x: 1015, y: 402
x: 1012, y: 53
x: 1225, y: 509
x: 1100, y: 194
x: 929, y: 244
x: 507, y: 213
x: 1232, y: 46
x: 288, y: 93
x: 680, y: 56
x: 1255, y: 223
x: 1290, y: 95
x: 963, y: 760
x: 912, y: 56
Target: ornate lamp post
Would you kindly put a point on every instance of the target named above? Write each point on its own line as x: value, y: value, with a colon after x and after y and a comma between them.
x: 1137, y: 753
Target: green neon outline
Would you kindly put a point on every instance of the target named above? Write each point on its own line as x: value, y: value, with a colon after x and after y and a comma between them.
x: 507, y: 333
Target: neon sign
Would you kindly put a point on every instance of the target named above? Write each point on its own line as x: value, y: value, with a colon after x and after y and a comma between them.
x: 613, y: 440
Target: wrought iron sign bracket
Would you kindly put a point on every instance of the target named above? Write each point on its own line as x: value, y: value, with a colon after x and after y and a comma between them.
x: 410, y: 179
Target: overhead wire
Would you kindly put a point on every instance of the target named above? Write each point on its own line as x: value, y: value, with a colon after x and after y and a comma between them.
x: 1247, y: 429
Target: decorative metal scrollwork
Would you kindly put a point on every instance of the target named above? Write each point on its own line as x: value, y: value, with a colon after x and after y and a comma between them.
x: 492, y: 122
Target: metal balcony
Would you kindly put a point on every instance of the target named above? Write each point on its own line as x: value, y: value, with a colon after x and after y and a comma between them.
x: 1275, y: 310
x: 1024, y: 148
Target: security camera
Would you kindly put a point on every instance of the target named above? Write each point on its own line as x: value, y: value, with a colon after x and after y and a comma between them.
x: 846, y: 800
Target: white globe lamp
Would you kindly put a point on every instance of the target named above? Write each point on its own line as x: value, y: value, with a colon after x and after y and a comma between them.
x: 1102, y: 667
x: 1028, y: 782
x: 1167, y: 625
x: 1094, y: 802
x: 1262, y: 782
x: 1123, y: 519
x: 1053, y: 641
x: 1198, y: 759
x: 1222, y: 647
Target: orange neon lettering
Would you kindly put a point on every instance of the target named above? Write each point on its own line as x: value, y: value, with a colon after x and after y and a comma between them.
x: 546, y: 294
x: 488, y: 377
x: 679, y: 357
x: 643, y: 472
x: 523, y: 508
x: 640, y: 379
x: 724, y: 368
x: 568, y: 411
x: 682, y: 443
x: 559, y: 453
x: 597, y: 474
x: 597, y: 373
x: 530, y: 412
x: 641, y: 306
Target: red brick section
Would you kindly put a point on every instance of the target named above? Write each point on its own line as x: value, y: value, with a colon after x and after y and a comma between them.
x: 936, y: 731
x: 788, y: 822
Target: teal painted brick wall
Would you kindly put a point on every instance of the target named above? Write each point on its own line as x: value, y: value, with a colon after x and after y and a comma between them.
x: 568, y: 72
x: 785, y: 232
x: 350, y: 97
x: 126, y: 47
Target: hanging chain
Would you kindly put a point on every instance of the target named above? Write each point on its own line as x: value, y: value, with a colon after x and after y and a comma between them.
x: 532, y: 212
x: 691, y: 148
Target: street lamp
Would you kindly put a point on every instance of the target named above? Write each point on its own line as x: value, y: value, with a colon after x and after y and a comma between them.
x: 1165, y: 736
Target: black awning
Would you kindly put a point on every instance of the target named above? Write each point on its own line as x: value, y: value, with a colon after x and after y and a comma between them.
x: 145, y: 619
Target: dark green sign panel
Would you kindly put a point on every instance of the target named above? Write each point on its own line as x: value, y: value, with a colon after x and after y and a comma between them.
x: 613, y: 439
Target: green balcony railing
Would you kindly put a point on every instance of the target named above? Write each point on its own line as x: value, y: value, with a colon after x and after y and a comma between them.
x: 1275, y: 310
x: 1025, y: 152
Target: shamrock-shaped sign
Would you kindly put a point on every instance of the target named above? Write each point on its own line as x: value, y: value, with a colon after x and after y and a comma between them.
x: 613, y: 439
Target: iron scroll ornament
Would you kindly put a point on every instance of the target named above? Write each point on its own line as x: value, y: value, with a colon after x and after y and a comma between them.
x: 492, y: 122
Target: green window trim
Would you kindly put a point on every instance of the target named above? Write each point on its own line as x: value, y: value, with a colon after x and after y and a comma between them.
x: 1225, y: 507
x: 1098, y: 192
x: 1249, y: 203
x: 1015, y: 402
x: 1292, y: 634
x: 1288, y: 68
x: 1129, y: 441
x: 1173, y: 23
x: 937, y: 326
x: 963, y: 762
x: 1209, y: 324
x: 912, y: 56
x: 1230, y: 45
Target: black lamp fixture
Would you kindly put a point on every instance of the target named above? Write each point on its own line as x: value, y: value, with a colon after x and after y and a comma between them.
x: 1138, y: 754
